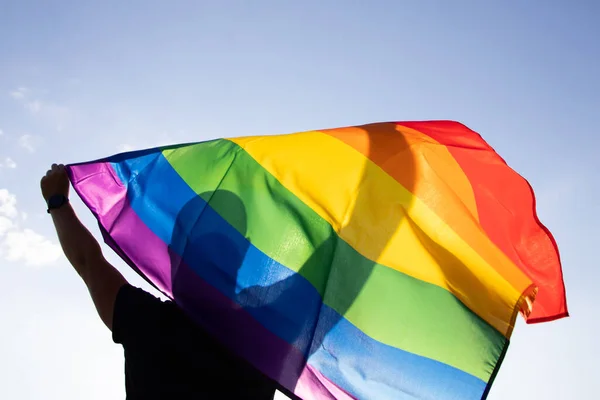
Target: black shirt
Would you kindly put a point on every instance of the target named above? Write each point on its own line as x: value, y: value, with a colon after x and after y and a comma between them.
x: 168, y: 356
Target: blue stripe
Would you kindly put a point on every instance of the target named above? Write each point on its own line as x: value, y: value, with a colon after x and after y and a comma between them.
x: 364, y: 367
x: 280, y: 299
x: 283, y: 301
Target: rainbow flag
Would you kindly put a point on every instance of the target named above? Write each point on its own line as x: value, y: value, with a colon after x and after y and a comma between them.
x: 383, y: 261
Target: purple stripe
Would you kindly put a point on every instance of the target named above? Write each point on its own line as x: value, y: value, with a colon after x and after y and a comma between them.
x: 237, y: 329
x: 106, y: 197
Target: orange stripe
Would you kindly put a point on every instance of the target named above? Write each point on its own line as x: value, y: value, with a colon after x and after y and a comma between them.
x: 404, y: 154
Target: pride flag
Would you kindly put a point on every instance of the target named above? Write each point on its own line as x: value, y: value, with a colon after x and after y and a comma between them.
x: 381, y: 261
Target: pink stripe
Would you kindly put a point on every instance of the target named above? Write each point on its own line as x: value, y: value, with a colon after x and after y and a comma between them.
x: 314, y: 385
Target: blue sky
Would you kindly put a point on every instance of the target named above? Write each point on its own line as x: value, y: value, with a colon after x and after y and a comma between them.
x: 81, y: 80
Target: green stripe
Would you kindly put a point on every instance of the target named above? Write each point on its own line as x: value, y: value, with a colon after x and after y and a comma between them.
x: 391, y: 307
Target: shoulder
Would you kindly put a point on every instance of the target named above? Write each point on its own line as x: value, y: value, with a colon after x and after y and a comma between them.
x: 138, y: 312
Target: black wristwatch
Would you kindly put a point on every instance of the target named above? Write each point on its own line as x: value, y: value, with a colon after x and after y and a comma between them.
x: 57, y: 201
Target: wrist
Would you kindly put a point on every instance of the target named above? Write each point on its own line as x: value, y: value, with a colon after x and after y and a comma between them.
x: 61, y: 213
x: 56, y: 202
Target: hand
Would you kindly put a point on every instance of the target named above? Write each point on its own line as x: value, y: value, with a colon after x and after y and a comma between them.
x: 56, y: 181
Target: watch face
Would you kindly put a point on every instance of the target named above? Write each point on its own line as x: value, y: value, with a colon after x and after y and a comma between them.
x: 56, y: 201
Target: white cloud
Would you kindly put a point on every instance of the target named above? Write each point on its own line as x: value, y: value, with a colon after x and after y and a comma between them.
x: 8, y: 204
x: 19, y: 93
x: 29, y: 142
x: 6, y: 224
x: 1, y: 132
x: 29, y: 247
x: 8, y: 163
x: 22, y: 244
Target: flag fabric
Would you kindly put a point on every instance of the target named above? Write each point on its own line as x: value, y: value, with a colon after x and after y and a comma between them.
x: 387, y: 260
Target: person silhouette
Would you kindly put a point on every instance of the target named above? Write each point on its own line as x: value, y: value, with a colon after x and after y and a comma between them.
x: 213, y: 250
x: 167, y: 354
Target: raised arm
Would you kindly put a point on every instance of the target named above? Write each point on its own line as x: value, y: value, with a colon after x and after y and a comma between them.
x: 80, y: 247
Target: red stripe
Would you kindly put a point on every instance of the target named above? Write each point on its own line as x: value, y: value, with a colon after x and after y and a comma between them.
x: 507, y: 213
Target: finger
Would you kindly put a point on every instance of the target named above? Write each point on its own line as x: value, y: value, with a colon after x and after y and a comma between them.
x: 54, y: 167
x: 48, y: 172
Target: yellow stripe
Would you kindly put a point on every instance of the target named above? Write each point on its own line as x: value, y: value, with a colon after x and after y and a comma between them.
x: 443, y: 186
x: 386, y: 145
x: 385, y: 222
